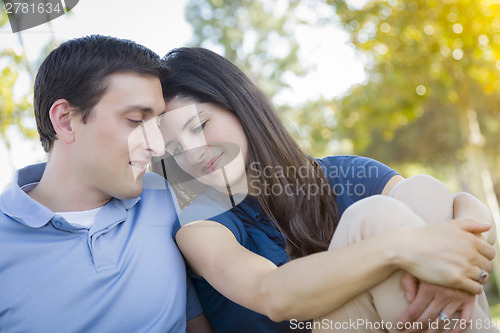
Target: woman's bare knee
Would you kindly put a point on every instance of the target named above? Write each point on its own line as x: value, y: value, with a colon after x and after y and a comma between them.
x: 372, y: 216
x: 426, y: 196
x: 466, y: 205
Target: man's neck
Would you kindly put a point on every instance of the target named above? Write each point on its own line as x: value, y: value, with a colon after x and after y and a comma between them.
x: 61, y: 190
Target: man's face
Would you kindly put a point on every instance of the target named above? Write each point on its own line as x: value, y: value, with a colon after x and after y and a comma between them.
x: 121, y: 135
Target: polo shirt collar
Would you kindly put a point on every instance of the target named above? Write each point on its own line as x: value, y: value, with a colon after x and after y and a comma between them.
x: 19, y: 206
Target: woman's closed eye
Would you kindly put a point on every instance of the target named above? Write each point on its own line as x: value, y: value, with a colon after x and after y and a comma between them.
x: 200, y: 128
x: 175, y: 148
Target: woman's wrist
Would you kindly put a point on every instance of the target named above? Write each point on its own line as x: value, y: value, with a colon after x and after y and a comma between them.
x: 396, y: 249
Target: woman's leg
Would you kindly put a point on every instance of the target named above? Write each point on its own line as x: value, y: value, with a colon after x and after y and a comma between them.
x: 468, y: 206
x: 414, y: 193
x: 430, y: 202
x: 365, y: 313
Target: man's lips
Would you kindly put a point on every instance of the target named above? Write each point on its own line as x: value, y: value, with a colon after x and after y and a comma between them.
x: 211, y: 166
x: 139, y: 164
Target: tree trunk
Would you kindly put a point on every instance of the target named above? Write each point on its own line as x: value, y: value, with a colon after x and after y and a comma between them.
x: 480, y: 176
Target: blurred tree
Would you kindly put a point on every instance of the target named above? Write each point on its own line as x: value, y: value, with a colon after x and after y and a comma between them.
x: 433, y: 86
x: 260, y: 37
x: 14, y: 110
x: 312, y: 124
x: 256, y: 35
x: 432, y: 77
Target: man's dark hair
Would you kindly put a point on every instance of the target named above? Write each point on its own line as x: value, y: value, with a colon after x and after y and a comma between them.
x: 78, y: 71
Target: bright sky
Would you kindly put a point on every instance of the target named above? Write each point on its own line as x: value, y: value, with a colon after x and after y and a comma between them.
x: 160, y: 25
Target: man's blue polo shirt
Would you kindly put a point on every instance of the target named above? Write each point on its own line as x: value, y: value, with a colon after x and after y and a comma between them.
x: 124, y: 274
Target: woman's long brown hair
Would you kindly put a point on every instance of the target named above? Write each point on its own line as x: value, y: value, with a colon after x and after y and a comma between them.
x: 275, y: 161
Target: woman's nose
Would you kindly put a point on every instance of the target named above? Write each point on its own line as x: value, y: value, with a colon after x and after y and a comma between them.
x: 195, y: 155
x: 194, y: 146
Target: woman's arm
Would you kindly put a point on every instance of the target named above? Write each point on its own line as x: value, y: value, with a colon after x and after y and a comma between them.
x: 256, y: 283
x: 391, y: 183
x: 324, y: 281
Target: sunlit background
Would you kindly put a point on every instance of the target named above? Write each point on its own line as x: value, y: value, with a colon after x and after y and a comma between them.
x: 414, y: 84
x: 330, y: 62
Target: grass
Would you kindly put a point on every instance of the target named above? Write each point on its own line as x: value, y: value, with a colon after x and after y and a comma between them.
x: 495, y: 312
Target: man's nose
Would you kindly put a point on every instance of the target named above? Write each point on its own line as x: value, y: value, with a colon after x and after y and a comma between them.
x: 153, y: 138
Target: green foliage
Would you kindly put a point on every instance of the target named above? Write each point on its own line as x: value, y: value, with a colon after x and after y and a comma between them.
x: 13, y: 109
x: 430, y: 62
x: 259, y: 37
x: 256, y: 35
x: 3, y: 17
x: 312, y: 125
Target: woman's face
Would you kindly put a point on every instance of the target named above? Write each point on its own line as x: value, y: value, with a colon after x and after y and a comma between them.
x: 208, y: 142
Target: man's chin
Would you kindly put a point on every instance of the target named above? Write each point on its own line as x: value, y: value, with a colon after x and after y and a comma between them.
x: 132, y: 192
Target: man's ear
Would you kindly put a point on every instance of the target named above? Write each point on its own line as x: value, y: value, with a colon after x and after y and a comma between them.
x: 62, y: 117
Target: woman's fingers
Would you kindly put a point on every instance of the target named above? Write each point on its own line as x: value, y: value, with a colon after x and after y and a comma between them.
x: 457, y: 303
x: 420, y: 302
x: 431, y: 312
x: 480, y: 274
x: 485, y: 249
x: 484, y: 277
x: 449, y: 311
x: 449, y: 254
x: 432, y: 303
x: 472, y: 226
x: 471, y: 286
x: 465, y: 313
x: 474, y: 256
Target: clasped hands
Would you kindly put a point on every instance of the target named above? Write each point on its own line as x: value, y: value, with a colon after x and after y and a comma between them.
x: 428, y: 300
x: 431, y: 302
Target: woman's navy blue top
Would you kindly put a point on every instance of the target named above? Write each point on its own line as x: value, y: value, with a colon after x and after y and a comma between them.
x: 351, y: 178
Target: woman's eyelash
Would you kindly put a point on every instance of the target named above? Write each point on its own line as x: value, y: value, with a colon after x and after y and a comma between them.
x: 201, y: 127
x: 136, y: 121
x: 178, y: 149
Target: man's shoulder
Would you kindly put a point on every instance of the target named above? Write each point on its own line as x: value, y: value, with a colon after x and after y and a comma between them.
x: 5, y: 220
x: 12, y: 234
x: 156, y: 198
x: 154, y: 188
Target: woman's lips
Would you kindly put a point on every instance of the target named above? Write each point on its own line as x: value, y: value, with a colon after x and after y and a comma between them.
x: 211, y: 166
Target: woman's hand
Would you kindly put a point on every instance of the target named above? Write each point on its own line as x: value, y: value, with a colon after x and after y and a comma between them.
x: 448, y: 254
x: 428, y: 300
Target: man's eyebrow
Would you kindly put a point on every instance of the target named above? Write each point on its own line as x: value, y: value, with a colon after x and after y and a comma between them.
x: 144, y: 109
x: 138, y: 108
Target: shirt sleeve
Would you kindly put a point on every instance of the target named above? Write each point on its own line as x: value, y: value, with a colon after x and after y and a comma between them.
x: 354, y: 177
x: 193, y: 306
x: 213, y: 209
